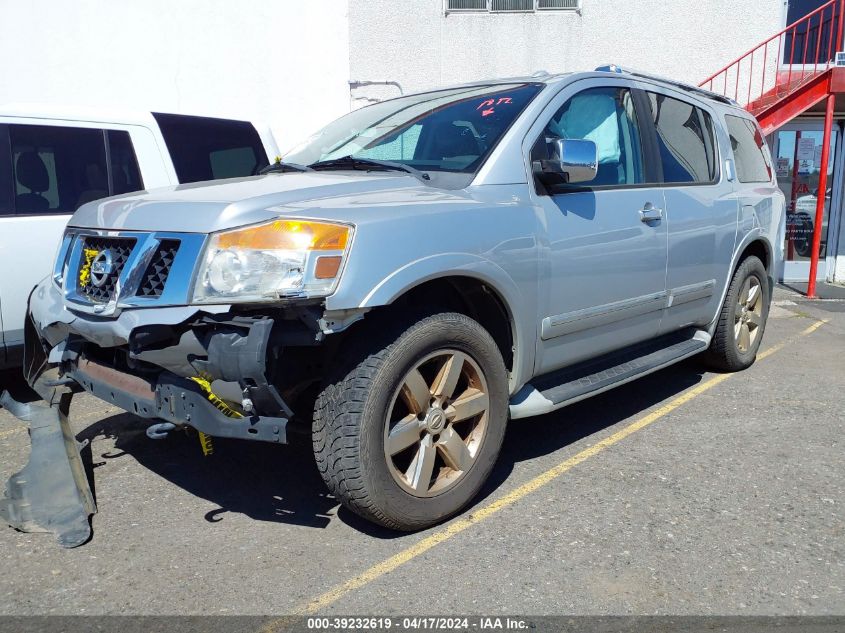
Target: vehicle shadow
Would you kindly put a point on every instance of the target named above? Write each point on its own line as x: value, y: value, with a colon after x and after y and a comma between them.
x: 12, y: 380
x: 281, y: 483
x: 266, y: 482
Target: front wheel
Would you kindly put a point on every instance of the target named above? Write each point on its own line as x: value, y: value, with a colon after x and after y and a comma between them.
x: 409, y: 429
x: 742, y: 320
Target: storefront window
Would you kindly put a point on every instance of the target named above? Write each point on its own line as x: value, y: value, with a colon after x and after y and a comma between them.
x: 798, y: 166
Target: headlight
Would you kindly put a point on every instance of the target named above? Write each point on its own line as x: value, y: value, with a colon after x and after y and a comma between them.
x: 283, y: 258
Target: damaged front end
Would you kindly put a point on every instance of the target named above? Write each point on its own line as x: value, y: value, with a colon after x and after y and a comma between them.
x: 224, y: 372
x: 209, y: 374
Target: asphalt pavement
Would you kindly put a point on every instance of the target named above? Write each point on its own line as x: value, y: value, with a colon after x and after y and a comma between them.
x: 685, y: 492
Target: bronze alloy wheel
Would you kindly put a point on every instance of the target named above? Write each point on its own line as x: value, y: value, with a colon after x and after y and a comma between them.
x: 408, y: 427
x: 436, y: 423
x: 749, y: 314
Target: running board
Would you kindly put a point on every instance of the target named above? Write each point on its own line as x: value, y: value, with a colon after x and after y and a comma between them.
x: 571, y: 384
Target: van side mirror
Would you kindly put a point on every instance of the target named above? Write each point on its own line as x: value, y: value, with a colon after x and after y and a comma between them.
x: 569, y: 161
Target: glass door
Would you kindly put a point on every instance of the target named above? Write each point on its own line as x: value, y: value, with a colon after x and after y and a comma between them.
x: 798, y: 148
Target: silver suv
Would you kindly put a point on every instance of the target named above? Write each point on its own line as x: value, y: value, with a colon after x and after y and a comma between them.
x: 411, y: 277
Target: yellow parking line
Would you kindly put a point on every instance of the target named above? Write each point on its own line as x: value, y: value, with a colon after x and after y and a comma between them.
x: 397, y: 560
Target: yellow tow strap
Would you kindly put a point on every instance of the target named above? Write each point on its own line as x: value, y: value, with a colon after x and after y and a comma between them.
x: 205, y: 385
x: 205, y: 443
x: 221, y: 406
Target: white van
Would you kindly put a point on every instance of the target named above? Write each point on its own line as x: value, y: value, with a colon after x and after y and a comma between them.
x: 54, y: 159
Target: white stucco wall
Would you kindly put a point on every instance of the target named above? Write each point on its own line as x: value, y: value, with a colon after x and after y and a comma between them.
x: 288, y: 62
x: 414, y: 43
x: 284, y: 62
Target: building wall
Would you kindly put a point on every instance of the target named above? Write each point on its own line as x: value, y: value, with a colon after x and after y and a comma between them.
x: 284, y: 62
x: 417, y: 45
x: 297, y: 65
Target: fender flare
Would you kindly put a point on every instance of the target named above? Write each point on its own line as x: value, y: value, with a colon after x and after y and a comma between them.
x: 753, y: 235
x: 413, y: 274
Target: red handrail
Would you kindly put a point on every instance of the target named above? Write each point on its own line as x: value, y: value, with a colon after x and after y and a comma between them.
x: 805, y: 48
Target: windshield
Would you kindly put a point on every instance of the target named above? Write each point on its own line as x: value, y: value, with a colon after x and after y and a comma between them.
x: 444, y: 131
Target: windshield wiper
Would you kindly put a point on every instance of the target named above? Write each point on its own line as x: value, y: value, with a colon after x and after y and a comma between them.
x: 353, y: 162
x: 283, y: 168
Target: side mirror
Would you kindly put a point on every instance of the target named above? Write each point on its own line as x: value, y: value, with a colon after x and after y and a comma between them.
x: 570, y: 160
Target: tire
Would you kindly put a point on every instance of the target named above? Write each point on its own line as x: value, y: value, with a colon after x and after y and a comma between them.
x: 804, y: 243
x: 742, y: 320
x: 803, y: 247
x: 368, y: 409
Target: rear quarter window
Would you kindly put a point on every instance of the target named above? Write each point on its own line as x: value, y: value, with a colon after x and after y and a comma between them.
x: 209, y: 149
x: 747, y: 143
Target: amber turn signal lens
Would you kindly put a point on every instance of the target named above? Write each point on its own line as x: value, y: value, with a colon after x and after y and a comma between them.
x: 327, y: 267
x: 284, y: 234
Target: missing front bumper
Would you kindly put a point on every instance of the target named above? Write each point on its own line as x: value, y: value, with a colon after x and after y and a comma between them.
x: 51, y: 493
x: 173, y: 399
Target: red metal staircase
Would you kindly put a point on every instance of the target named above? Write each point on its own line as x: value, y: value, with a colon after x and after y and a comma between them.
x: 788, y: 73
x: 785, y: 76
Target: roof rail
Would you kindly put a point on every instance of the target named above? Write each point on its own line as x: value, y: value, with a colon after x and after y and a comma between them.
x: 620, y: 70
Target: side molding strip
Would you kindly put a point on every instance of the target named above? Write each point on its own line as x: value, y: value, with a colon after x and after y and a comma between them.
x: 598, y: 316
x: 570, y: 322
x: 685, y: 294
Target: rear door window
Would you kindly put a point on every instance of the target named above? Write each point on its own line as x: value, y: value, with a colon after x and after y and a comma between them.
x: 56, y: 169
x: 747, y: 143
x: 685, y: 140
x: 208, y: 149
x: 125, y: 174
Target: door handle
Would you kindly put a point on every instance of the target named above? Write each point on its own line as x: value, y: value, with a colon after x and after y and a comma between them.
x: 651, y: 213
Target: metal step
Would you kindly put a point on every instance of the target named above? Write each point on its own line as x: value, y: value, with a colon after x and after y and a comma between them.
x: 554, y: 390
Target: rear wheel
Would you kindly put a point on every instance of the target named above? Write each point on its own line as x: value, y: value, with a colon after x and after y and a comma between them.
x: 409, y: 429
x: 743, y: 318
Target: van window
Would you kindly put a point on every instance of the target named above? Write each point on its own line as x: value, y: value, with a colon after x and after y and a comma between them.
x: 208, y: 149
x: 747, y: 143
x: 125, y: 174
x: 56, y: 169
x: 232, y: 163
x: 607, y: 117
x: 684, y: 140
x: 6, y: 206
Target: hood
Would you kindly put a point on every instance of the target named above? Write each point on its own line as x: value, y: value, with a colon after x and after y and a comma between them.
x: 214, y: 206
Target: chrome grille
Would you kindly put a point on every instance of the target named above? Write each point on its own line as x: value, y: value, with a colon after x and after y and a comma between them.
x: 101, y: 288
x: 155, y: 276
x: 103, y: 271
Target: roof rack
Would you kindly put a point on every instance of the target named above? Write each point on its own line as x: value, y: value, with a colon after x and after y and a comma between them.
x: 620, y: 70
